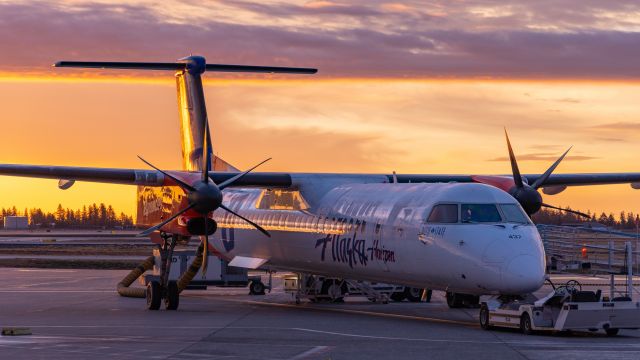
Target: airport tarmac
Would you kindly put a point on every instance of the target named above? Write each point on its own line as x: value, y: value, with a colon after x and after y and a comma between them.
x: 76, y: 314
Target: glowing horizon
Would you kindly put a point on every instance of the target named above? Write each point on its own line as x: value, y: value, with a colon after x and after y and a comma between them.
x: 310, y: 137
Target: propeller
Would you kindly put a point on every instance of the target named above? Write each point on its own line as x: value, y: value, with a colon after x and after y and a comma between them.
x: 528, y: 195
x: 204, y: 196
x: 567, y: 210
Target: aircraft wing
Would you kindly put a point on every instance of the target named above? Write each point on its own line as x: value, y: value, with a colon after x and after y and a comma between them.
x: 553, y: 180
x: 587, y: 179
x: 135, y: 176
x: 282, y: 179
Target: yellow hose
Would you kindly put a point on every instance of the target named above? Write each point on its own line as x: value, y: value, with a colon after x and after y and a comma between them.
x: 188, y: 275
x: 123, y: 286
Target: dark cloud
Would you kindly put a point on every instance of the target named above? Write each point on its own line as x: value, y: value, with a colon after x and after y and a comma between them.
x: 545, y: 157
x: 293, y: 10
x: 32, y: 36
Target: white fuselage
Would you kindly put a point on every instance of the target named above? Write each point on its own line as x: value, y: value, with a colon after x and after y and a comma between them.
x: 379, y: 232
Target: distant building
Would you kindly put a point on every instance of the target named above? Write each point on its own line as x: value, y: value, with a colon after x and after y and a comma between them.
x: 16, y: 222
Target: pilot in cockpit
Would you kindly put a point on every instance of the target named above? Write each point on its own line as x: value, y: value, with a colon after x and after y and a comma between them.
x: 467, y: 215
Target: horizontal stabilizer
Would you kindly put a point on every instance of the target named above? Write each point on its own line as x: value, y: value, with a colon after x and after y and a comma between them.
x: 121, y: 65
x: 247, y: 262
x: 182, y: 66
x: 259, y: 69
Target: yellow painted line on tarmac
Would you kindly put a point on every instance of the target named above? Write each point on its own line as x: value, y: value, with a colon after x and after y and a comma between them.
x: 356, y: 312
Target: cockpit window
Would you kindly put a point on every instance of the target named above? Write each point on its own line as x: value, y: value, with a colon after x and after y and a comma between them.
x: 514, y: 213
x: 444, y: 213
x: 480, y: 213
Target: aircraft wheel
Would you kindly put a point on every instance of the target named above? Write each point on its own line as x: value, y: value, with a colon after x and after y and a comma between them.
x: 454, y: 300
x: 525, y: 324
x: 154, y: 295
x: 173, y: 296
x: 611, y: 332
x: 484, y: 317
x: 256, y: 288
x: 397, y: 296
x: 413, y: 294
x: 333, y: 289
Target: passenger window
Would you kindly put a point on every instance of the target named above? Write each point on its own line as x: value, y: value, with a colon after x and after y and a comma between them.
x: 444, y: 213
x: 275, y: 199
x: 514, y: 213
x: 479, y: 213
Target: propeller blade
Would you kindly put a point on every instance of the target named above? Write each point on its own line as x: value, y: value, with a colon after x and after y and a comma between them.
x: 157, y: 227
x: 540, y: 181
x: 178, y: 181
x: 517, y: 178
x: 567, y: 210
x: 247, y: 220
x: 206, y: 155
x: 205, y: 254
x: 230, y: 181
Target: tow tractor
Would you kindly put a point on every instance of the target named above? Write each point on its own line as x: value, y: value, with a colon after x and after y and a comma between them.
x: 565, y: 308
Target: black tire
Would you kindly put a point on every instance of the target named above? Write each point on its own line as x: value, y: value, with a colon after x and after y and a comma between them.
x: 454, y: 301
x: 397, y: 296
x: 525, y: 324
x: 256, y: 288
x: 611, y: 332
x: 413, y: 294
x: 154, y: 295
x: 484, y: 317
x: 172, y: 300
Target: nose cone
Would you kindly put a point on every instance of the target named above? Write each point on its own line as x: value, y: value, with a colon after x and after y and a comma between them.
x: 524, y: 274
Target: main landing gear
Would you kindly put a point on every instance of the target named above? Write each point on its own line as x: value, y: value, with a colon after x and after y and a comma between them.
x: 457, y: 300
x: 164, y: 289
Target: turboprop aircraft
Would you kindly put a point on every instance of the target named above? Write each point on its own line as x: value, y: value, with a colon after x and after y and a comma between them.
x: 465, y: 234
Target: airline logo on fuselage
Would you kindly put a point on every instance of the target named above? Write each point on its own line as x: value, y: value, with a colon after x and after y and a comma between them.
x: 353, y: 251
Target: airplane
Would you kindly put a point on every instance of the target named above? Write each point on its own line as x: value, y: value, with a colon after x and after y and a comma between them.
x: 468, y: 235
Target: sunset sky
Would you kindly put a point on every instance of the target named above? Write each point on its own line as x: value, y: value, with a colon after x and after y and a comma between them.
x: 413, y: 86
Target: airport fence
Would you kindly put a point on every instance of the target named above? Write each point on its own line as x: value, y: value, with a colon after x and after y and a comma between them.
x: 589, y: 249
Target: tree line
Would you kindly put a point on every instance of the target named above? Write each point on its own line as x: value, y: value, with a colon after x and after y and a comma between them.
x: 89, y: 216
x: 104, y: 216
x: 624, y: 220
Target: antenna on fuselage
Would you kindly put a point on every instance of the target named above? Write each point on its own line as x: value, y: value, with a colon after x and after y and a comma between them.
x: 394, y: 177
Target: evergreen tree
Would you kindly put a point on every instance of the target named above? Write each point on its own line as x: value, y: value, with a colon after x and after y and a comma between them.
x: 60, y: 215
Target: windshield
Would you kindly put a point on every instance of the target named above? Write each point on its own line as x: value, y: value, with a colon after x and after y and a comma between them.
x: 514, y: 213
x: 479, y: 213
